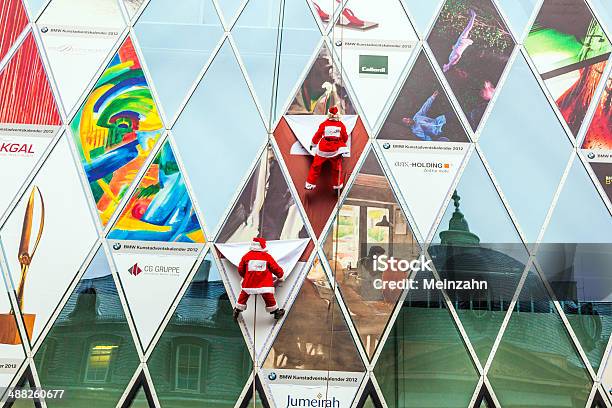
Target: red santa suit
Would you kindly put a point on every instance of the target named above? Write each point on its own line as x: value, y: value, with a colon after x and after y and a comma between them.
x: 258, y: 268
x: 330, y: 143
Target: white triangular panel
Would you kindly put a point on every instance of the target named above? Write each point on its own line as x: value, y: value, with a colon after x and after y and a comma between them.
x: 373, y: 55
x: 424, y: 172
x: 77, y: 37
x: 151, y: 275
x: 21, y: 147
x: 289, y: 388
x: 11, y: 349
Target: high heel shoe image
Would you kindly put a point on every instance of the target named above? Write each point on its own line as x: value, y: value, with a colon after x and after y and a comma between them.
x: 322, y: 15
x: 348, y: 19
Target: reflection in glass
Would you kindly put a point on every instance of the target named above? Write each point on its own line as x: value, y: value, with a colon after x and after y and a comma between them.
x: 579, y: 275
x: 423, y: 355
x: 140, y: 400
x: 461, y: 256
x: 188, y: 367
x: 370, y: 224
x: 483, y: 404
x: 98, y: 362
x: 89, y: 351
x: 518, y: 133
x: 576, y: 259
x: 314, y: 321
x: 369, y: 403
x: 536, y: 363
x: 23, y: 403
x: 201, y: 358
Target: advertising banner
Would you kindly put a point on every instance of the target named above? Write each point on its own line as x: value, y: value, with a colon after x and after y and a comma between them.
x: 374, y: 41
x: 21, y: 147
x: 570, y: 51
x: 312, y: 388
x: 151, y: 274
x: 47, y: 237
x: 601, y: 163
x: 472, y: 46
x: 76, y: 52
x: 424, y: 173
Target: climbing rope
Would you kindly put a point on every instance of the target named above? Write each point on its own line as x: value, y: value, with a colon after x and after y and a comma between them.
x: 338, y: 4
x: 266, y: 158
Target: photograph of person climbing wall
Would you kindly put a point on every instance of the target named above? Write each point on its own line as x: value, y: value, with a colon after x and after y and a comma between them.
x: 305, y: 203
x: 422, y: 110
x: 471, y: 44
x: 570, y: 51
x: 322, y: 88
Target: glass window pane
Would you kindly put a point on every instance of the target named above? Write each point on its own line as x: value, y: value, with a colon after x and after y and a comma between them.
x: 140, y: 400
x: 536, y: 363
x: 423, y: 355
x: 371, y: 224
x: 176, y: 39
x: 98, y: 363
x: 89, y: 351
x: 304, y: 339
x: 201, y: 358
x: 575, y: 256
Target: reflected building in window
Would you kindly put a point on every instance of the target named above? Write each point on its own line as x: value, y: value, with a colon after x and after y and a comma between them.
x: 201, y: 357
x: 535, y: 358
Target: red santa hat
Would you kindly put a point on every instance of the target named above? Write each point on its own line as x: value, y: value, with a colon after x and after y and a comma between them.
x: 333, y: 113
x: 259, y: 244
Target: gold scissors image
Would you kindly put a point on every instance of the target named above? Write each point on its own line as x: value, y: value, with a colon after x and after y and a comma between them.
x: 9, y: 333
x: 24, y: 255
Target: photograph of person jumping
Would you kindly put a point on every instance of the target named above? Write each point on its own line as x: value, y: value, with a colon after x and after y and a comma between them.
x: 462, y: 43
x: 471, y: 44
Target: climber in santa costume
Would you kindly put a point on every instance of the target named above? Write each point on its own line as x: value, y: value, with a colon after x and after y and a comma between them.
x: 328, y: 144
x: 259, y: 273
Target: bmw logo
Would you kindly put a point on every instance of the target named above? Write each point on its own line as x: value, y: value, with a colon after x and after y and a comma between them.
x: 338, y: 43
x: 272, y: 376
x: 44, y: 29
x: 591, y: 155
x: 386, y: 145
x: 116, y: 246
